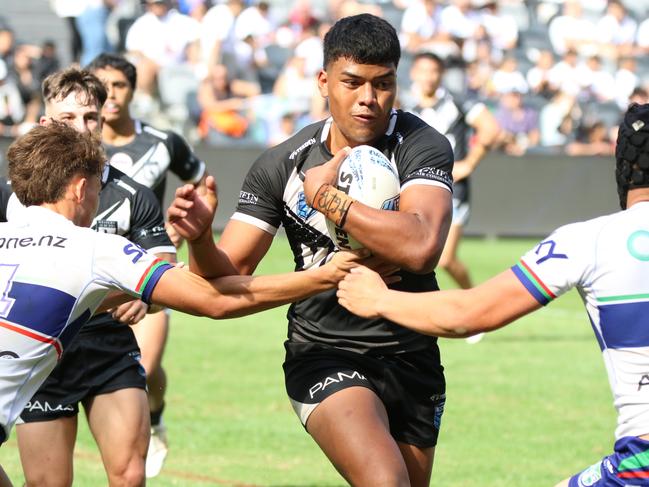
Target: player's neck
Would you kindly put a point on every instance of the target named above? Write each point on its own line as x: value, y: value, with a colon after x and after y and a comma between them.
x: 63, y: 207
x: 638, y: 195
x: 120, y: 132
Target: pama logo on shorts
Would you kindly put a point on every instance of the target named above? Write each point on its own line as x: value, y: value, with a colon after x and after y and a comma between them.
x: 46, y: 407
x: 8, y: 354
x: 334, y: 379
x: 302, y: 209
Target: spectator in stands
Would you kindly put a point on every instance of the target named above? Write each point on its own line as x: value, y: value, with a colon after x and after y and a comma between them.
x: 565, y: 75
x: 501, y: 28
x: 538, y: 76
x: 7, y: 44
x: 309, y: 47
x: 23, y: 74
x: 160, y: 38
x: 217, y: 30
x: 459, y: 20
x: 480, y: 72
x: 508, y: 78
x: 597, y: 83
x: 642, y: 38
x: 592, y: 140
x: 626, y: 81
x: 639, y: 96
x: 47, y: 61
x: 91, y: 25
x: 572, y: 31
x: 519, y: 125
x: 68, y: 10
x: 12, y: 109
x: 257, y: 22
x: 556, y: 120
x: 420, y: 27
x: 616, y: 31
x: 223, y: 105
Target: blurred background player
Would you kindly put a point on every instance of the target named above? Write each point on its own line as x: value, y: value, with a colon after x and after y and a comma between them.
x: 101, y: 369
x: 145, y: 154
x: 370, y: 395
x: 606, y: 259
x: 436, y: 106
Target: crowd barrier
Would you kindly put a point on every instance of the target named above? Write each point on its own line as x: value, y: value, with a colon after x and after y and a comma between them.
x: 511, y: 196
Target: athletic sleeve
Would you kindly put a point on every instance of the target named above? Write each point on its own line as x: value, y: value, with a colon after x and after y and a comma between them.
x: 184, y: 163
x: 147, y: 223
x: 558, y: 263
x: 425, y: 157
x: 260, y: 199
x: 124, y: 265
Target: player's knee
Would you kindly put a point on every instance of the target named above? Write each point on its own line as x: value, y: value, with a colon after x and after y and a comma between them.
x: 129, y: 475
x: 384, y: 475
x: 47, y: 479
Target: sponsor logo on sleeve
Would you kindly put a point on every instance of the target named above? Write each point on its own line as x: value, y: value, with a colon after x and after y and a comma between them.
x: 134, y: 250
x: 590, y: 476
x: 248, y: 198
x: 548, y: 247
x: 433, y: 174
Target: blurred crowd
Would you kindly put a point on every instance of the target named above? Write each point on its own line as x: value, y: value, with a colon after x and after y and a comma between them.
x: 556, y: 74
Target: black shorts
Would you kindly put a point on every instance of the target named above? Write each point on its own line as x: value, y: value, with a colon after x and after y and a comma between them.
x: 410, y: 385
x: 96, y: 362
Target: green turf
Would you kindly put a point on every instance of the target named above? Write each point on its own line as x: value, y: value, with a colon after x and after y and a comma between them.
x: 529, y: 405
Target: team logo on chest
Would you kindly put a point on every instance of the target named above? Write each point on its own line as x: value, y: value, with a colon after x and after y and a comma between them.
x: 302, y: 209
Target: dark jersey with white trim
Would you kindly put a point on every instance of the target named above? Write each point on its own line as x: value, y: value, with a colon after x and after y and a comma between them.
x: 273, y: 195
x: 449, y: 117
x: 151, y: 154
x: 126, y: 208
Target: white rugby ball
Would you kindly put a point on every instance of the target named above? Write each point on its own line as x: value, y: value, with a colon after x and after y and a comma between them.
x: 367, y: 176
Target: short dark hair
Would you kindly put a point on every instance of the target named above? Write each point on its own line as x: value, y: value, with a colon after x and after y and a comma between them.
x: 431, y: 56
x: 59, y: 85
x: 364, y: 39
x: 44, y: 160
x: 117, y: 62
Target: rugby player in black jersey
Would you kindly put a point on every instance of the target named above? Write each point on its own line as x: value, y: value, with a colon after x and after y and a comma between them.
x: 145, y: 154
x: 370, y: 393
x: 101, y: 369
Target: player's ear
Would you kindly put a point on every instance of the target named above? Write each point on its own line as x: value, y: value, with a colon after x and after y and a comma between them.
x: 323, y: 83
x: 80, y: 186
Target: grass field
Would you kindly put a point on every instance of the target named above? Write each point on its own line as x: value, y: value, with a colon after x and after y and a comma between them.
x: 527, y: 406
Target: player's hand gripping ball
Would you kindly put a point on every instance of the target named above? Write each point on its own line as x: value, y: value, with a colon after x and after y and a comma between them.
x: 370, y: 178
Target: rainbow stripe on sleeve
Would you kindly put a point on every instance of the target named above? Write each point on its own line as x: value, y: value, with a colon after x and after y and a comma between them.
x: 532, y: 283
x: 150, y: 278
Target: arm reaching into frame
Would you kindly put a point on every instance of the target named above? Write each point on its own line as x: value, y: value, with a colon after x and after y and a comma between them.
x: 451, y: 314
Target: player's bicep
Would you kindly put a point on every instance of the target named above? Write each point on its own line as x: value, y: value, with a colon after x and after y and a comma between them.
x: 245, y: 245
x: 432, y: 205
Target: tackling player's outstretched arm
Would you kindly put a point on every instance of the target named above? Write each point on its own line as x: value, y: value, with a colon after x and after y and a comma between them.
x: 233, y: 296
x: 452, y: 314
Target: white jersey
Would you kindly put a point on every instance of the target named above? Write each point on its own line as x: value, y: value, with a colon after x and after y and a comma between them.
x: 53, y: 276
x: 607, y: 260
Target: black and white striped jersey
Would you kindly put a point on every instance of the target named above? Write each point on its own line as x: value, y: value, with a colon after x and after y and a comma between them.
x: 151, y: 154
x: 273, y: 195
x: 451, y: 118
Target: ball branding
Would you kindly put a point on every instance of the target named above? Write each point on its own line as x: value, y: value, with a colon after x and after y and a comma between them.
x: 367, y: 176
